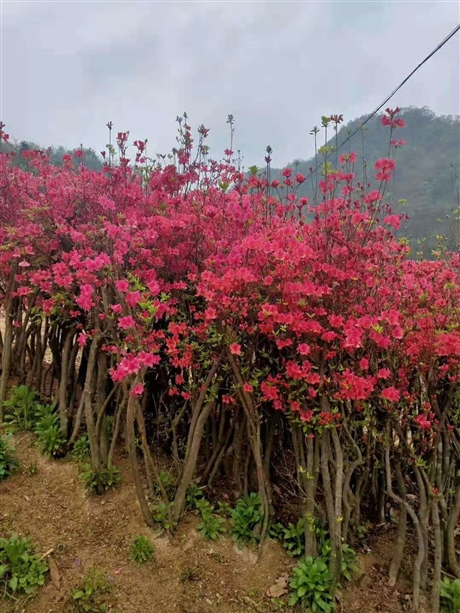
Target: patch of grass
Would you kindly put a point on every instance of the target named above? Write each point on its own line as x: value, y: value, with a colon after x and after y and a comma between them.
x: 91, y: 595
x: 31, y: 469
x: 142, y: 550
x: 190, y: 573
x: 21, y: 569
x: 80, y: 451
x: 99, y: 483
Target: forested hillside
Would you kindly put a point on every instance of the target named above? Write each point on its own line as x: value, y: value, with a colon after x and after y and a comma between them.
x: 90, y: 159
x: 427, y: 169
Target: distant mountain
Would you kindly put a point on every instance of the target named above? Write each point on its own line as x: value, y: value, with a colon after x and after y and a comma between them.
x: 427, y: 169
x: 91, y: 160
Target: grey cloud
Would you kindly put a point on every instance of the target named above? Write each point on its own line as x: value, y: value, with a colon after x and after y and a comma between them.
x: 276, y: 66
x: 129, y: 59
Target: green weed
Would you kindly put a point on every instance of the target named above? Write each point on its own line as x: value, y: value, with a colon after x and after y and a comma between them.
x: 20, y: 408
x: 168, y: 483
x: 80, y: 451
x: 162, y: 514
x: 194, y: 494
x: 142, y: 550
x: 21, y: 570
x: 246, y: 518
x: 211, y: 526
x: 100, y: 482
x: 91, y: 595
x: 190, y: 573
x: 450, y: 596
x: 48, y: 430
x: 31, y: 469
x: 311, y: 585
x: 8, y: 461
x: 294, y: 538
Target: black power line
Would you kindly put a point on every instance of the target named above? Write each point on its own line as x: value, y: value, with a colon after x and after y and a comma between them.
x: 441, y: 44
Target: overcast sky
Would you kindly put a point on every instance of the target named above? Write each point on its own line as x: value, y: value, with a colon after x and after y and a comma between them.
x: 69, y: 67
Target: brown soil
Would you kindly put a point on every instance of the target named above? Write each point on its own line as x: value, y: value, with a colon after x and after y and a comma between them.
x: 84, y: 531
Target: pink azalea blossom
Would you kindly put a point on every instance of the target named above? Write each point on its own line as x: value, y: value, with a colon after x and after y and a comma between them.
x: 126, y: 322
x: 235, y: 349
x: 304, y: 349
x: 137, y: 390
x: 122, y: 285
x: 391, y: 394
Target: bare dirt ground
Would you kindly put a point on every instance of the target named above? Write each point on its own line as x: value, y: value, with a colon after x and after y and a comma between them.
x: 84, y: 531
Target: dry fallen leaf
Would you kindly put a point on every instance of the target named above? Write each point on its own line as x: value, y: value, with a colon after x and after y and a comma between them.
x: 55, y: 574
x: 279, y: 588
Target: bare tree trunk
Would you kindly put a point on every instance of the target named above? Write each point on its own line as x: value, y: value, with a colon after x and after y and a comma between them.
x: 311, y: 547
x: 450, y: 528
x: 402, y: 527
x: 131, y: 440
x: 200, y: 415
x: 150, y: 467
x: 7, y: 351
x: 338, y: 485
x: 253, y: 427
x: 330, y: 507
x: 437, y: 556
x: 220, y: 441
x: 120, y: 406
x: 63, y: 385
x: 78, y: 420
x: 424, y: 516
x: 23, y: 336
x: 190, y: 463
x: 237, y: 456
x: 418, y: 562
x: 88, y: 405
x: 198, y: 406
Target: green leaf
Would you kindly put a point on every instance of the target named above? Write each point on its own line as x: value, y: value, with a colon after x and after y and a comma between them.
x: 302, y: 591
x: 293, y: 600
x: 14, y: 583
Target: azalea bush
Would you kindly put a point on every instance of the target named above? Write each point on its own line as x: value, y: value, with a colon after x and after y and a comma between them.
x: 292, y: 347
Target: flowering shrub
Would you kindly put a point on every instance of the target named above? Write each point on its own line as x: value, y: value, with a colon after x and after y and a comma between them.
x: 186, y: 301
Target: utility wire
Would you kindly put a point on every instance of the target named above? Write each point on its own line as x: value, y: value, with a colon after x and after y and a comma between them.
x: 441, y: 44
